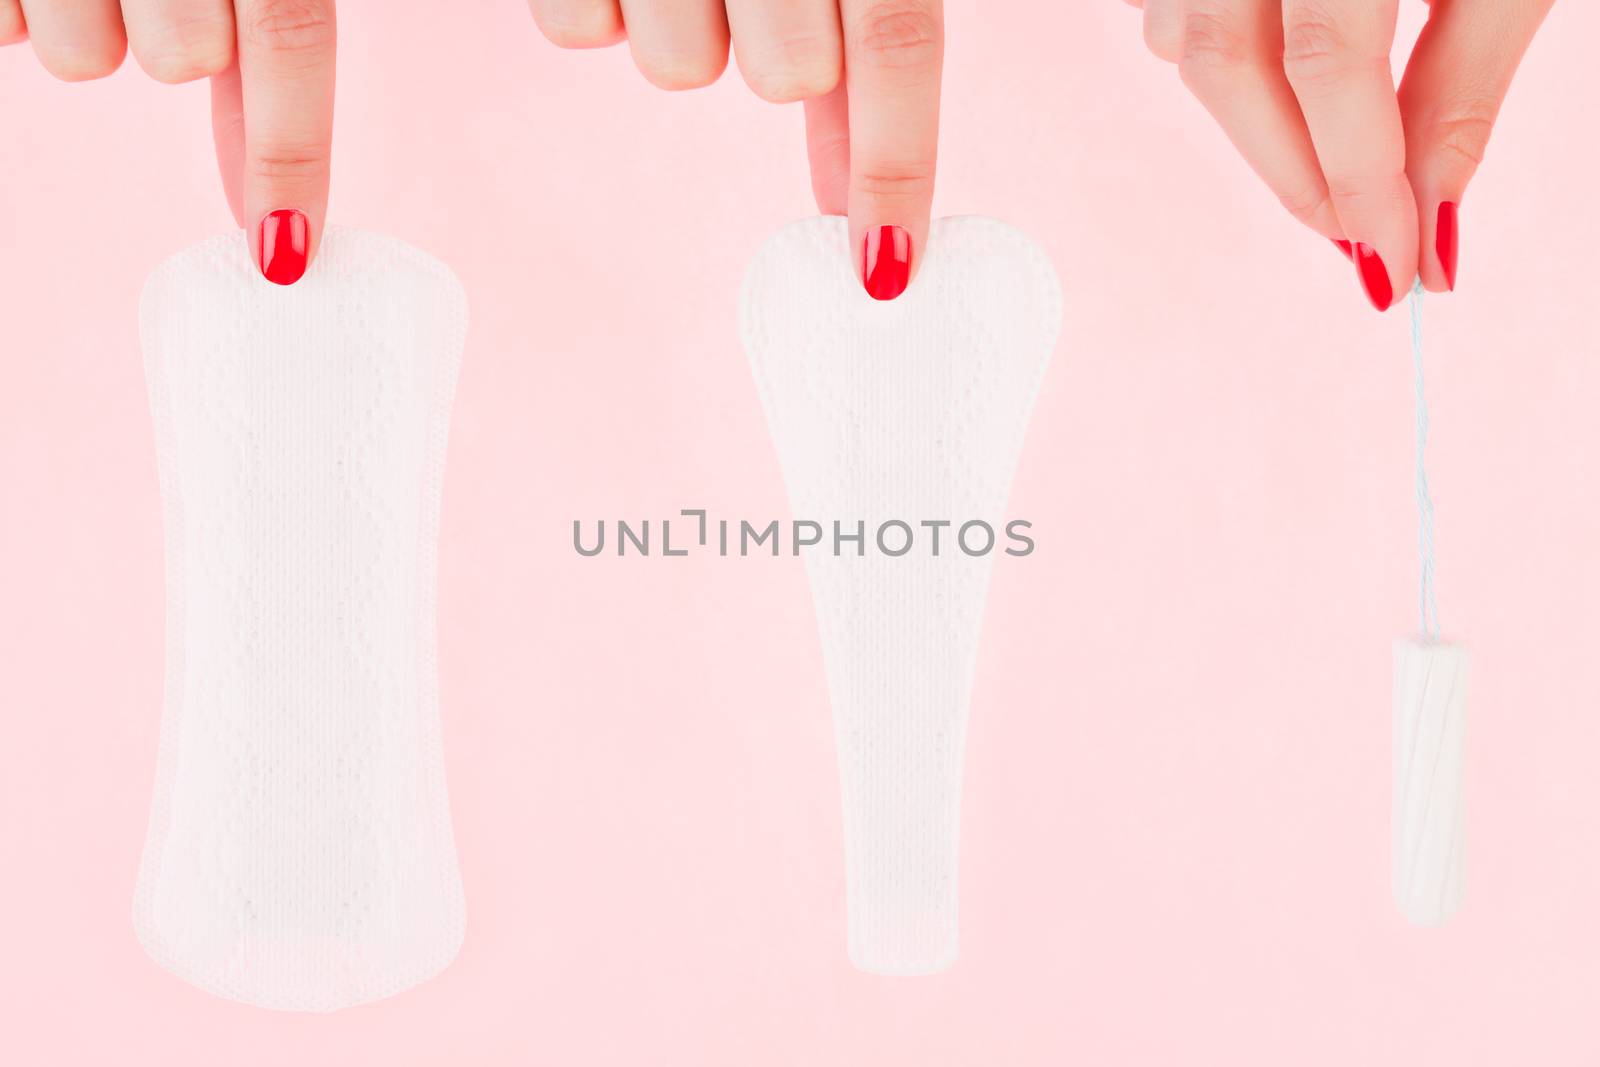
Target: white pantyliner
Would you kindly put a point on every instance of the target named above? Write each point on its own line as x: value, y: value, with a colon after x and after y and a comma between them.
x: 300, y: 853
x: 1428, y: 827
x: 910, y: 410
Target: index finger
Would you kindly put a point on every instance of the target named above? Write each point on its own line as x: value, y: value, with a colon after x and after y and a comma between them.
x: 894, y: 56
x: 1336, y: 54
x: 286, y: 57
x: 1455, y: 81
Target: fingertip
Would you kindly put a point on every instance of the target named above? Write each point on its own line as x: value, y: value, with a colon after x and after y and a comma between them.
x: 1382, y: 282
x: 1404, y: 279
x: 283, y: 245
x: 886, y: 261
x: 890, y: 209
x: 1383, y: 226
x: 794, y: 85
x: 1446, y: 243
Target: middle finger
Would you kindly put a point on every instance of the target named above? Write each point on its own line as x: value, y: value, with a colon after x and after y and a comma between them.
x: 787, y: 49
x: 677, y: 44
x: 180, y: 40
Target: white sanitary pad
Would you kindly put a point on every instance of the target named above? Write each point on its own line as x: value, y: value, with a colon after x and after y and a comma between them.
x: 300, y: 853
x: 910, y: 411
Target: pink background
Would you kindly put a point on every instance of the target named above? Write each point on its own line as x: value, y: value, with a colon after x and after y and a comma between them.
x: 1175, y: 838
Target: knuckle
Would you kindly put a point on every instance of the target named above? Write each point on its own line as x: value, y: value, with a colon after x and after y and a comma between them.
x: 1317, y: 55
x: 797, y: 68
x: 1306, y: 204
x: 290, y: 165
x: 1212, y: 37
x: 188, y: 49
x: 1310, y: 33
x: 1464, y: 130
x: 289, y: 25
x: 1212, y: 48
x: 1348, y: 188
x: 904, y: 182
x: 1322, y: 78
x: 898, y: 34
x: 175, y: 68
x: 1370, y: 195
x: 831, y: 155
x: 229, y: 129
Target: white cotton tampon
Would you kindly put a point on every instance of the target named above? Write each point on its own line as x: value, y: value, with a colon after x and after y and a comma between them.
x: 1428, y: 828
x: 910, y: 411
x: 300, y: 853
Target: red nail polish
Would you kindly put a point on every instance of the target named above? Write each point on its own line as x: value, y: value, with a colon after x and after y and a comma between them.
x: 1346, y: 247
x: 886, y: 262
x: 1374, y: 276
x: 284, y: 240
x: 1447, y: 241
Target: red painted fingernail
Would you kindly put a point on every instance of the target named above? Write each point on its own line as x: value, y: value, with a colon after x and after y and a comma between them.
x: 1346, y: 247
x: 1374, y: 276
x: 886, y: 262
x: 284, y: 240
x: 1447, y: 241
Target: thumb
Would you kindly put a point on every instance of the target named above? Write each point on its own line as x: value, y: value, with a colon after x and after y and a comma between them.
x: 1450, y: 96
x: 227, y: 130
x: 828, y: 150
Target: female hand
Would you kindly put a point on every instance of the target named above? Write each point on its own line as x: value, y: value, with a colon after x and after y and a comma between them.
x: 271, y: 69
x: 1304, y: 90
x: 868, y: 71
